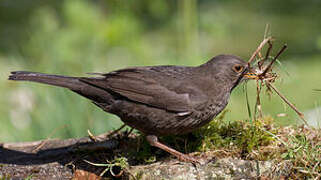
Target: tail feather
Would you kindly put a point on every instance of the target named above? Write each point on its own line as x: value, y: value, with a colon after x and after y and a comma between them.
x: 95, y: 94
x: 63, y: 81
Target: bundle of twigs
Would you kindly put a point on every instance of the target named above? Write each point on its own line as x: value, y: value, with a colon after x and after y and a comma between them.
x: 264, y: 75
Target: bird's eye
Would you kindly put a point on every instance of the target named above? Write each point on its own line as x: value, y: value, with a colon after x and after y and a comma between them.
x: 238, y: 68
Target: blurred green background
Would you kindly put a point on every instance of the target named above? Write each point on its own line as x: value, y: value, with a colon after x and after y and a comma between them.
x: 72, y: 37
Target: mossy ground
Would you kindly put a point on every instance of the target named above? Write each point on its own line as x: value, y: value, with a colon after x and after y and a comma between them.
x: 257, y: 140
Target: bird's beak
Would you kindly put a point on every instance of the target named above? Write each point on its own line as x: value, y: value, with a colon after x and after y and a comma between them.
x: 250, y: 74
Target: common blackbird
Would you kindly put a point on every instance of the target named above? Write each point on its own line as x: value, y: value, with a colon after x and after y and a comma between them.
x: 157, y: 100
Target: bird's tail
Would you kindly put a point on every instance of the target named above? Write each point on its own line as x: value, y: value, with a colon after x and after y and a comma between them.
x: 72, y: 83
x: 75, y: 84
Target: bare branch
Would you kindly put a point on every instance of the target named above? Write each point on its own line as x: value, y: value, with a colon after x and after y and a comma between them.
x: 274, y: 59
x: 267, y: 30
x: 259, y: 49
x: 260, y: 63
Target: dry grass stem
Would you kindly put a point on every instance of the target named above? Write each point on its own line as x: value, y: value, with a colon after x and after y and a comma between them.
x: 259, y: 49
x: 274, y: 59
x: 301, y: 115
x: 265, y: 76
x: 258, y: 100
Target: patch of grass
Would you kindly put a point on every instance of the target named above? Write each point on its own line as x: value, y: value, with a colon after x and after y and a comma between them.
x: 263, y: 141
x: 304, y: 151
x: 119, y: 163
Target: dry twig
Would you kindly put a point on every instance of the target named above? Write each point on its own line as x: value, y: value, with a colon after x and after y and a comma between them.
x: 301, y: 115
x: 265, y: 76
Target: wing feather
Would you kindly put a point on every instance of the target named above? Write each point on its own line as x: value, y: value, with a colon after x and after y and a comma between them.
x: 140, y: 86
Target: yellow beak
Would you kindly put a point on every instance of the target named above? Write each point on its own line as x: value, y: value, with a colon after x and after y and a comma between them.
x: 250, y: 76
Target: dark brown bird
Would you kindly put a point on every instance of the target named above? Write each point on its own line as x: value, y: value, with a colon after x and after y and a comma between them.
x: 157, y: 100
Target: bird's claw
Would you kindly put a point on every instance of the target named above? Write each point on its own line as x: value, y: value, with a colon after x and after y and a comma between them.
x: 188, y: 158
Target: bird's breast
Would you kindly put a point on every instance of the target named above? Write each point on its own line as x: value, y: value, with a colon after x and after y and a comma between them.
x: 210, y: 112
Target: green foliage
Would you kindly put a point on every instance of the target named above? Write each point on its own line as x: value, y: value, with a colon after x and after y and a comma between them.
x: 304, y: 152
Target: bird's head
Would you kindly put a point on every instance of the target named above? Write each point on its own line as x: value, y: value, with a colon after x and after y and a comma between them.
x: 229, y: 69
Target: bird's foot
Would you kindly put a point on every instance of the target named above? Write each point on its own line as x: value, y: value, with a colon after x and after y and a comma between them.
x: 188, y: 158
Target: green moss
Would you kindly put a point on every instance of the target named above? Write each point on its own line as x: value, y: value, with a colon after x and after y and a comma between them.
x: 243, y: 135
x: 240, y: 135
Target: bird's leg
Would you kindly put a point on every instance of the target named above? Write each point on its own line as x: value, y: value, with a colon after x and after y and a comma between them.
x: 153, y: 141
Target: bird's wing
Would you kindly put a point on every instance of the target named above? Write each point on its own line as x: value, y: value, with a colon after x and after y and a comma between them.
x: 142, y: 86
